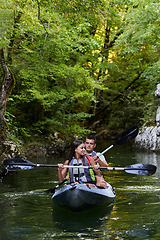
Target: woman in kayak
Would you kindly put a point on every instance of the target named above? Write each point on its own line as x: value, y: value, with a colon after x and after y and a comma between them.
x: 81, y: 175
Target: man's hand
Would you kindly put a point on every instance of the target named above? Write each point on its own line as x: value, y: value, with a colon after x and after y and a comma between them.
x: 96, y: 159
x: 100, y: 162
x: 96, y: 167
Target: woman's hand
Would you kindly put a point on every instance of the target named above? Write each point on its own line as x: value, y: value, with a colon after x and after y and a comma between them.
x: 62, y: 171
x: 60, y: 167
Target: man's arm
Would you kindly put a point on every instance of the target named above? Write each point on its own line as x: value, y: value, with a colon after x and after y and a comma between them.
x: 102, y: 161
x: 96, y: 167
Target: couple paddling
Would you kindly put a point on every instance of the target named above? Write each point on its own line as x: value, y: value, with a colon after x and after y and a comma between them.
x: 84, y: 154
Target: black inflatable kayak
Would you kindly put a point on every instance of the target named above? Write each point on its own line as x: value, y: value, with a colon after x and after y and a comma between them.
x: 79, y: 197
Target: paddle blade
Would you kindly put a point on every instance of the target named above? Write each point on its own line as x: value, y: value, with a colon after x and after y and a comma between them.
x: 128, y: 135
x: 141, y: 169
x: 15, y: 164
x: 52, y: 190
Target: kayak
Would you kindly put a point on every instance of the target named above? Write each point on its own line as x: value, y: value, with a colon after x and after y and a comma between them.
x: 81, y: 197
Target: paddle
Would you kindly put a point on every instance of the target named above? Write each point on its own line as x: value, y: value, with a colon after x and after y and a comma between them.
x: 138, y: 168
x: 16, y: 164
x: 125, y: 137
x: 52, y: 190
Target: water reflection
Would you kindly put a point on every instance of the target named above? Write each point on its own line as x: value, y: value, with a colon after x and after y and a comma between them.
x: 145, y: 157
x: 76, y: 221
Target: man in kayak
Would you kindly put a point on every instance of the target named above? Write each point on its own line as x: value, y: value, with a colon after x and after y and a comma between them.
x: 81, y: 175
x: 90, y: 145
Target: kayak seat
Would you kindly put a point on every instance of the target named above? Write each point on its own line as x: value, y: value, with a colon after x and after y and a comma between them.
x: 100, y: 187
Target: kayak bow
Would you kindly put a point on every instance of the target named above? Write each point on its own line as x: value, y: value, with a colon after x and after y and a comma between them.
x: 80, y: 197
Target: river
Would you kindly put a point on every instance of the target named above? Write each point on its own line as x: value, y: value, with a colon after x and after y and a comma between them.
x: 26, y: 212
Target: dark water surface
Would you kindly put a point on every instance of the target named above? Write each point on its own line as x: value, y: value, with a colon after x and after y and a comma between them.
x: 26, y: 212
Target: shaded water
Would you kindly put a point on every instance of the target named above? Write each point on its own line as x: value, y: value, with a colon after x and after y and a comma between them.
x: 26, y: 212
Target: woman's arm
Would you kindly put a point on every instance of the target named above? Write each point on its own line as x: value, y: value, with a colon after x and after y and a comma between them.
x: 62, y: 171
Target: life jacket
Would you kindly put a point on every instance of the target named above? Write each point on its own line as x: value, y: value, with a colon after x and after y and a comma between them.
x: 90, y: 155
x: 83, y: 175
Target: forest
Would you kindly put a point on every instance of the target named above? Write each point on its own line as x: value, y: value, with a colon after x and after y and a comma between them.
x: 73, y: 68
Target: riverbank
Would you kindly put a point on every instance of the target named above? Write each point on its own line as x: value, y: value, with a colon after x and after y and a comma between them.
x: 40, y: 147
x: 43, y: 147
x: 9, y: 149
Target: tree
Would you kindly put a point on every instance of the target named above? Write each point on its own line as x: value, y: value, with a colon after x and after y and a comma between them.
x: 7, y: 85
x: 73, y: 60
x: 54, y: 91
x: 130, y: 66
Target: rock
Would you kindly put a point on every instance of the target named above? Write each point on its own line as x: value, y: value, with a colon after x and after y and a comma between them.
x: 149, y: 137
x: 158, y: 117
x: 8, y: 150
x: 157, y: 92
x: 55, y: 146
x: 36, y: 150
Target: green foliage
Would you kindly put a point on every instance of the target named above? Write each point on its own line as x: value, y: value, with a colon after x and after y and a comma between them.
x: 152, y: 73
x: 53, y: 91
x: 133, y: 71
x: 6, y: 19
x: 74, y: 59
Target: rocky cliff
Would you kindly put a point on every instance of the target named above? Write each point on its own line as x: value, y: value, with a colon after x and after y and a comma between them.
x: 149, y: 137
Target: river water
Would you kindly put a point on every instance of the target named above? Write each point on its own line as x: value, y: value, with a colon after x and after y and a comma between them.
x: 26, y: 212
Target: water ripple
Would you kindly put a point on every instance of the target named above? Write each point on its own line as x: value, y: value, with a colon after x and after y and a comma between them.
x: 144, y: 188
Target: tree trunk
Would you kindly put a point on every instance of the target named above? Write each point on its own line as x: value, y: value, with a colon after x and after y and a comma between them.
x: 7, y: 85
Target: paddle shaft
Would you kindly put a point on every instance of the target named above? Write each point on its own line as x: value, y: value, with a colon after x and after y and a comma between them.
x: 107, y: 149
x: 109, y: 168
x: 80, y: 166
x: 125, y: 137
